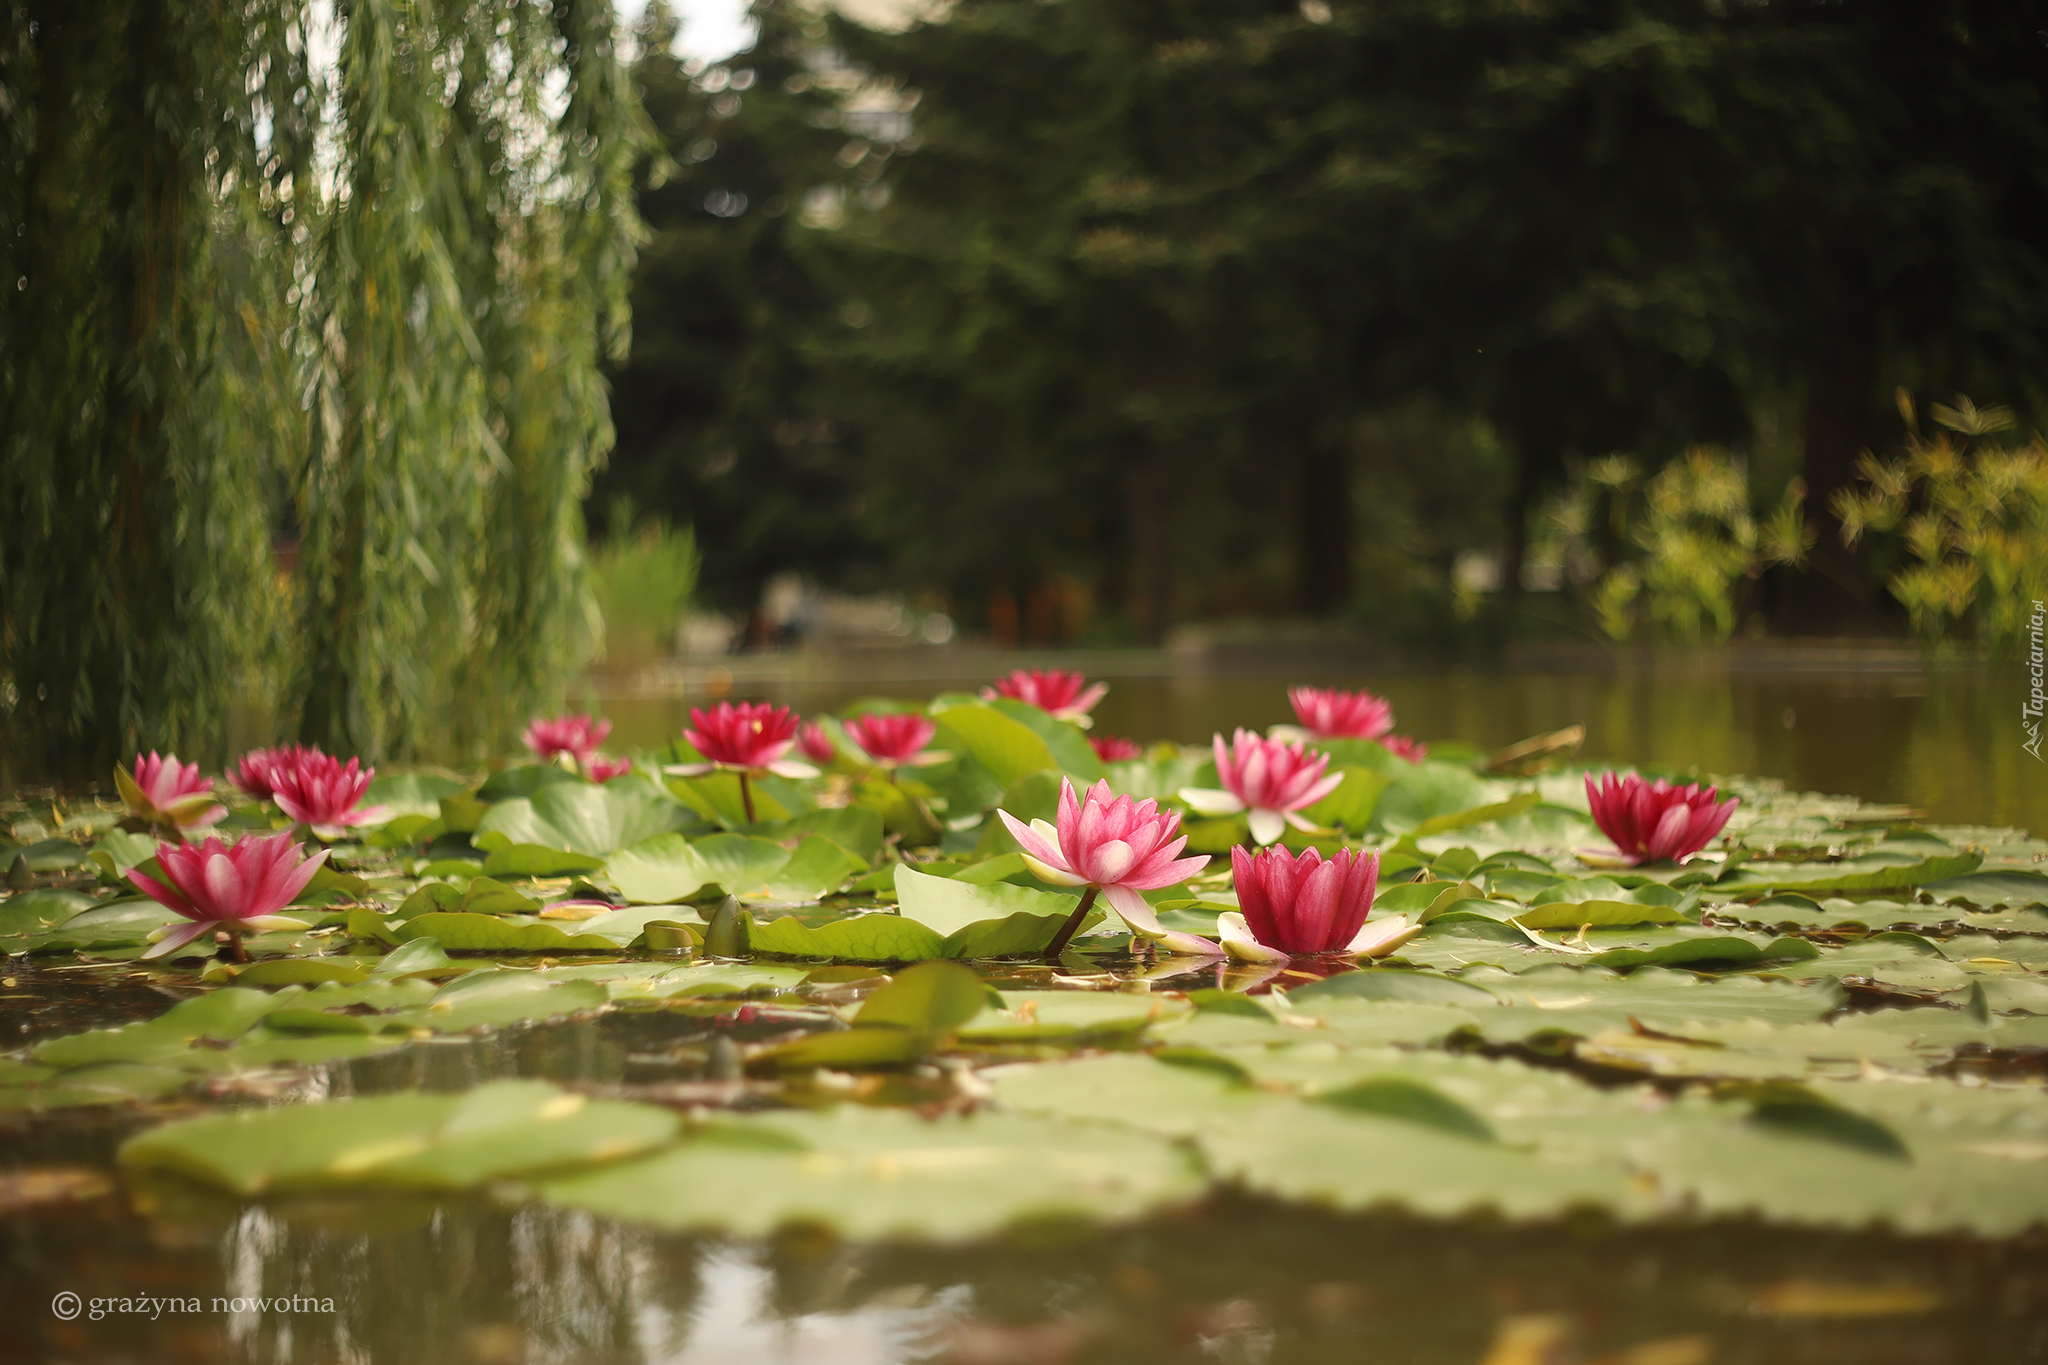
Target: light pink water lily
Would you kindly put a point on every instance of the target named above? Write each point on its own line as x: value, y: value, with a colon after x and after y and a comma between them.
x: 1402, y: 746
x: 1291, y: 905
x: 237, y: 887
x: 1050, y: 689
x: 324, y: 794
x: 1651, y: 821
x: 815, y: 744
x: 1115, y: 748
x: 1271, y: 779
x: 172, y: 796
x: 1331, y: 713
x: 1114, y: 845
x: 252, y: 771
x: 550, y: 737
x: 896, y: 741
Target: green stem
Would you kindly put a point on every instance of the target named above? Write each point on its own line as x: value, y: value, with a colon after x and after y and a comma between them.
x: 747, y: 796
x: 1073, y: 924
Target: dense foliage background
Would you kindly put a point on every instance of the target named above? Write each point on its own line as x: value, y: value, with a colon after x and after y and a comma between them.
x: 1090, y: 317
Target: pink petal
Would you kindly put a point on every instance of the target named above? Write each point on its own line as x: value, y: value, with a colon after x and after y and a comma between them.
x: 1035, y: 844
x: 179, y: 937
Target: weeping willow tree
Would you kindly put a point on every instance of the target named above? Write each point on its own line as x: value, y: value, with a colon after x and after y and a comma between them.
x: 331, y: 283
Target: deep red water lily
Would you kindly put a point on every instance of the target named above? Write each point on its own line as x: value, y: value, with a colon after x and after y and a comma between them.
x: 166, y: 792
x: 324, y: 794
x: 1271, y: 779
x: 1302, y: 904
x: 894, y: 741
x: 1651, y: 821
x: 1115, y: 845
x: 237, y: 887
x: 1115, y: 748
x: 549, y: 737
x: 1062, y: 693
x: 1331, y: 713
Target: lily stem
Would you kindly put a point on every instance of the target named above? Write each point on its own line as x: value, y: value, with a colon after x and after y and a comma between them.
x: 1073, y: 925
x: 747, y: 798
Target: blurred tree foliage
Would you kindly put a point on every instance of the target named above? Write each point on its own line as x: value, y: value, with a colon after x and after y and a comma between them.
x: 351, y: 306
x: 1137, y: 293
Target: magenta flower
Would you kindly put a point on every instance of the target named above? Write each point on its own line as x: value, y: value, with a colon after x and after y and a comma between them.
x: 605, y: 769
x: 895, y: 741
x: 1299, y: 905
x: 1115, y: 748
x: 252, y: 772
x: 1271, y: 779
x: 1403, y: 746
x: 236, y: 887
x: 1329, y: 713
x: 1651, y: 821
x: 1113, y: 845
x: 577, y: 736
x: 814, y: 743
x: 323, y: 794
x: 166, y: 793
x: 1050, y: 689
x: 750, y: 739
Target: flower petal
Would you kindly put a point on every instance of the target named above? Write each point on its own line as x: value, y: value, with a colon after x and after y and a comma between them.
x: 179, y: 936
x: 1239, y: 941
x: 1267, y: 826
x: 1134, y: 910
x: 1381, y: 936
x: 1210, y: 801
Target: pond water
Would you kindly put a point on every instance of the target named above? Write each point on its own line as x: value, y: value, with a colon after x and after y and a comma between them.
x: 1885, y: 729
x: 1232, y: 1278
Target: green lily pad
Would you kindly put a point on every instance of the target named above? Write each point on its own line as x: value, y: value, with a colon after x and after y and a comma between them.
x: 492, y: 934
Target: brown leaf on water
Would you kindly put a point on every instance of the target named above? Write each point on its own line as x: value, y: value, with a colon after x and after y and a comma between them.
x: 1833, y: 1299
x: 39, y: 1185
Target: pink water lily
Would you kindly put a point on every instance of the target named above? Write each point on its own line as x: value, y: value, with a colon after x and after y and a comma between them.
x: 815, y: 744
x: 1271, y: 779
x: 1114, y: 845
x: 1289, y: 905
x: 551, y: 737
x: 252, y: 771
x: 172, y: 796
x: 1651, y: 821
x: 1403, y: 746
x: 324, y: 794
x: 896, y: 741
x: 1331, y: 713
x: 1050, y: 689
x: 750, y: 739
x: 605, y: 769
x: 1115, y: 748
x: 236, y: 887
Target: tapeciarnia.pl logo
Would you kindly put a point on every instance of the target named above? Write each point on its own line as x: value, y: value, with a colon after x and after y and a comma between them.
x: 2031, y: 708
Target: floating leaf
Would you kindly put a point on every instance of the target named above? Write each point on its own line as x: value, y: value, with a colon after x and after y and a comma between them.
x: 491, y: 934
x: 580, y: 817
x: 534, y: 860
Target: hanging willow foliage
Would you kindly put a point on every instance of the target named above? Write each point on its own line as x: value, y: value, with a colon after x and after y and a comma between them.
x: 339, y: 282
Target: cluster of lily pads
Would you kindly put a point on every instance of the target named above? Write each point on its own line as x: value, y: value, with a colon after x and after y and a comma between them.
x: 936, y: 968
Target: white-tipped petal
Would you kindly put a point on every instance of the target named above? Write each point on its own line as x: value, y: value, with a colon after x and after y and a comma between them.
x: 172, y: 937
x: 1267, y: 826
x: 1211, y: 801
x: 1378, y: 937
x: 1237, y: 940
x: 1304, y: 824
x: 272, y: 922
x: 792, y: 767
x: 1047, y: 873
x: 689, y: 769
x: 1134, y: 910
x: 1188, y: 945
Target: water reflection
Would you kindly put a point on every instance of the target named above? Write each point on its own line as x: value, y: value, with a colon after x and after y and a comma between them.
x: 1233, y: 1280
x: 1946, y: 740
